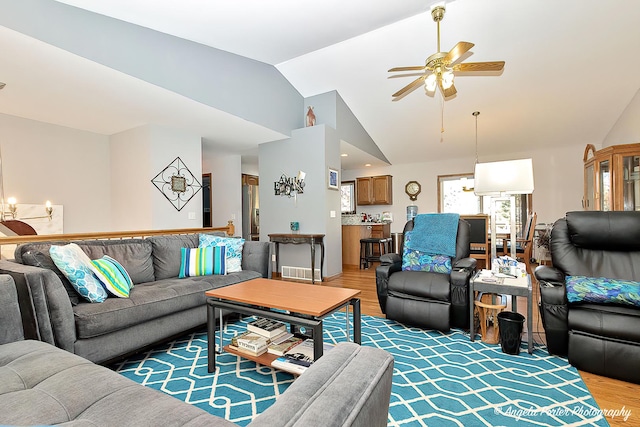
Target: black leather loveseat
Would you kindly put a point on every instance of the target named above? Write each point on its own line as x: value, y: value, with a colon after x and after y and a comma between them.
x: 602, y: 338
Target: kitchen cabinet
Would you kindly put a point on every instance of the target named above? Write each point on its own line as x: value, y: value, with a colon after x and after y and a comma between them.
x: 351, y: 235
x: 374, y: 190
x: 612, y: 178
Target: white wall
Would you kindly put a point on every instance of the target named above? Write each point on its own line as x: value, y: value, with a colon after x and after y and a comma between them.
x: 558, y: 177
x: 70, y: 167
x: 627, y: 127
x: 226, y: 189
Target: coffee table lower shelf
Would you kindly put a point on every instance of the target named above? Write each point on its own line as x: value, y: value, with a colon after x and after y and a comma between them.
x: 265, y: 359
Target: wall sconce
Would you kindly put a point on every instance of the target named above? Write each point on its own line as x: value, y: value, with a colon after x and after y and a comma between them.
x: 12, y: 212
x: 289, y: 186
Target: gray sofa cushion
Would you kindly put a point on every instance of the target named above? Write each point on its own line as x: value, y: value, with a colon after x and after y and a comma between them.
x: 148, y: 301
x: 167, y: 255
x: 43, y: 385
x: 133, y: 254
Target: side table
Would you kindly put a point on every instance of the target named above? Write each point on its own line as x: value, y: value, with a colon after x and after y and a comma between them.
x: 310, y: 239
x: 515, y: 287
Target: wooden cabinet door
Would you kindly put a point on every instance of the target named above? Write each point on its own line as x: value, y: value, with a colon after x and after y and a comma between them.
x: 363, y: 191
x: 381, y: 190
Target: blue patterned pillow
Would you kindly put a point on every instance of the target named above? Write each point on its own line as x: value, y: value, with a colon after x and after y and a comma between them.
x: 74, y: 264
x: 113, y: 276
x: 413, y: 260
x: 203, y: 261
x: 234, y: 249
x: 602, y: 290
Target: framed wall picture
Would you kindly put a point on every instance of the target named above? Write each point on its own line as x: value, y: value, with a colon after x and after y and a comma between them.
x: 332, y: 180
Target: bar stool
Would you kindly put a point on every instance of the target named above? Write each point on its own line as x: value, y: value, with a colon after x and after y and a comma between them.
x: 366, y: 250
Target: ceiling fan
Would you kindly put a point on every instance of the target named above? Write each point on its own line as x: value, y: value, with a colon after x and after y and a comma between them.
x: 439, y: 68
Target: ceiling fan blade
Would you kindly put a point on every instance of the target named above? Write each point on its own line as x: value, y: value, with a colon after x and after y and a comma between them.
x: 448, y: 92
x: 458, y: 50
x: 416, y: 68
x: 414, y: 84
x: 479, y: 66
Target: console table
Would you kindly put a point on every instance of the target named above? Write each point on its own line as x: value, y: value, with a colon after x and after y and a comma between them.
x: 296, y: 239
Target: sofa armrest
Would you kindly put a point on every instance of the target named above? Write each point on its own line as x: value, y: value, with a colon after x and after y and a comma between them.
x: 45, y: 307
x: 391, y: 258
x: 349, y: 386
x: 11, y: 329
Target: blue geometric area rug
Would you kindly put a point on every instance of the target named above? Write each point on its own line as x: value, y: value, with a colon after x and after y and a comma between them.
x: 439, y: 379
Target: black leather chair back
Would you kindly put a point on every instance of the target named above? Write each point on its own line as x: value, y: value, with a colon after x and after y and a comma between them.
x: 597, y: 244
x: 462, y: 239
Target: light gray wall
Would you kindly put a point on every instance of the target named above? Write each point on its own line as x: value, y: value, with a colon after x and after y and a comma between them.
x: 311, y: 150
x: 330, y: 109
x: 558, y: 180
x: 67, y: 166
x: 627, y: 127
x: 226, y: 189
x: 243, y: 87
x: 130, y: 174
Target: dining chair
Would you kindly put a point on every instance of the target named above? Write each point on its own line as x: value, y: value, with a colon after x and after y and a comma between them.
x: 479, y: 238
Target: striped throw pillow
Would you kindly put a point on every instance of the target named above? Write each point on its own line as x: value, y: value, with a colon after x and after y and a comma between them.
x: 203, y: 261
x: 113, y: 276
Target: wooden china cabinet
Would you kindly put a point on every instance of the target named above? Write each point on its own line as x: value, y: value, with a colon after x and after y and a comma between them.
x: 612, y: 178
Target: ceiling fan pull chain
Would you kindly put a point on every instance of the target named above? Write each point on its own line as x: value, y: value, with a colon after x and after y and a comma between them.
x: 442, y: 119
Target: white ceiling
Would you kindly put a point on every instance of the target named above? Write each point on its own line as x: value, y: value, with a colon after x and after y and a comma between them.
x: 571, y: 69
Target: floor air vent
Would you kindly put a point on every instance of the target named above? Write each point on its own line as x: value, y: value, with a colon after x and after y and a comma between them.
x: 299, y: 273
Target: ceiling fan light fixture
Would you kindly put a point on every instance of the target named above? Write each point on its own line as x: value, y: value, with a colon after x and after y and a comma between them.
x: 447, y: 79
x: 430, y: 83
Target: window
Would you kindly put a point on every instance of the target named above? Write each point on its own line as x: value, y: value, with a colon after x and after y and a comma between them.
x: 455, y: 194
x: 347, y: 197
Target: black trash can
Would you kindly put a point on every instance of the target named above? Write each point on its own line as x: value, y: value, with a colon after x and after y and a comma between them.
x: 510, y: 325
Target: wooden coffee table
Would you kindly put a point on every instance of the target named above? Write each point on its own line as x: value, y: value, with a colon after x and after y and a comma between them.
x: 296, y: 303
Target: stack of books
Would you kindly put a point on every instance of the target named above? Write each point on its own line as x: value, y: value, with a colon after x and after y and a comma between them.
x: 298, y: 358
x: 250, y: 343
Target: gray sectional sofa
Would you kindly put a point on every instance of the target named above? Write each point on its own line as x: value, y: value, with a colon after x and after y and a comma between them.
x: 160, y: 305
x: 44, y: 385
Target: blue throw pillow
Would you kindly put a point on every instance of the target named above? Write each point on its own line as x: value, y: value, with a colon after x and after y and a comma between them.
x: 602, y: 290
x: 234, y: 247
x: 203, y: 261
x: 413, y: 260
x: 113, y: 276
x: 75, y: 265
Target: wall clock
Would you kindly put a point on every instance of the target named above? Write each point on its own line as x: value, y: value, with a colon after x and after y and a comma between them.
x: 412, y: 189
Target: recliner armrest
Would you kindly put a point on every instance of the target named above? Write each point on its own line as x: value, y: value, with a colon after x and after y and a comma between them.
x: 391, y: 258
x: 465, y: 263
x: 554, y: 309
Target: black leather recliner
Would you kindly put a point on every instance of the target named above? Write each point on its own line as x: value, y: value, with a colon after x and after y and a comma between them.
x: 427, y: 299
x: 600, y: 338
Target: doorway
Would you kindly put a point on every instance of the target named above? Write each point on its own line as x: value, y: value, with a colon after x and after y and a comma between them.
x: 206, y: 200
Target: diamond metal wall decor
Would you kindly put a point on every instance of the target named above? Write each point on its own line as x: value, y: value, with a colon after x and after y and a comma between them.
x: 177, y: 183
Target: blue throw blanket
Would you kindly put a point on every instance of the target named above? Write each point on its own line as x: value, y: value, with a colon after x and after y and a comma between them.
x: 435, y: 234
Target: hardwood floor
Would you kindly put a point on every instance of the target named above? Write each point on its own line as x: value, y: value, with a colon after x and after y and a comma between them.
x: 617, y: 399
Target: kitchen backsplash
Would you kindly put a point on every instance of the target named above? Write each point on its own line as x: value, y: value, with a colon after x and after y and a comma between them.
x: 357, y: 219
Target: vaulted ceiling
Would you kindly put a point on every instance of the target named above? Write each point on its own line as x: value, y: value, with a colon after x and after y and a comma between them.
x: 571, y: 69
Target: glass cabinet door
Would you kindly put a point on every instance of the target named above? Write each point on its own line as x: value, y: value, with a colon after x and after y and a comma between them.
x: 604, y: 181
x: 590, y: 190
x: 631, y: 183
